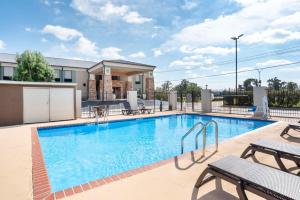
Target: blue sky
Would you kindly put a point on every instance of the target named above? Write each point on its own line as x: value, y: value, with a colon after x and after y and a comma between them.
x: 186, y: 38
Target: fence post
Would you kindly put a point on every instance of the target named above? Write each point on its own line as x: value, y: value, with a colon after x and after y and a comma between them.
x: 181, y: 101
x: 193, y: 101
x: 154, y: 101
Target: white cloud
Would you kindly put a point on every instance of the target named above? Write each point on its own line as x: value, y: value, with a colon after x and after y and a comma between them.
x: 104, y: 12
x: 291, y: 69
x: 44, y: 40
x: 109, y: 10
x: 249, y: 2
x: 291, y: 21
x: 139, y: 54
x: 272, y: 36
x: 273, y: 62
x: 135, y: 18
x: 189, y: 4
x: 206, y: 50
x: 254, y: 16
x: 185, y: 63
x: 111, y: 53
x: 28, y: 29
x: 193, y: 57
x: 58, y: 3
x: 2, y: 45
x: 85, y: 46
x: 46, y: 2
x: 153, y: 35
x: 63, y: 47
x: 57, y: 11
x: 82, y: 44
x: 157, y: 52
x: 62, y: 33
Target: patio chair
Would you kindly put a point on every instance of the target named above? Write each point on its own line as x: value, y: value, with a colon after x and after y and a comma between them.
x: 277, y: 149
x: 128, y: 110
x: 259, y: 179
x: 294, y: 126
x: 143, y: 109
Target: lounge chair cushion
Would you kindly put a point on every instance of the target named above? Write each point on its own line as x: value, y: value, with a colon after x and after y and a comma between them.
x: 278, y: 146
x: 270, y: 179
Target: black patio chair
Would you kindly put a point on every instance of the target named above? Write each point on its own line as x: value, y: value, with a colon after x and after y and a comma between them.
x: 280, y: 150
x: 143, y: 109
x: 128, y: 110
x: 294, y: 126
x: 264, y: 181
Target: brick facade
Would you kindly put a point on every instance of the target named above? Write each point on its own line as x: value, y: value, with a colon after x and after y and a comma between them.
x: 150, y: 88
x: 92, y: 90
x: 107, y: 87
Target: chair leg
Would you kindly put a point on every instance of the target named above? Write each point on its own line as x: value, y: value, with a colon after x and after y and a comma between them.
x: 244, y: 154
x: 297, y: 164
x: 280, y: 163
x: 201, y: 181
x: 285, y: 131
x: 241, y: 191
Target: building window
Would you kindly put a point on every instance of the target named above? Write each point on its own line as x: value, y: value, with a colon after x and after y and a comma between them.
x: 57, y: 75
x: 8, y: 73
x: 115, y: 78
x: 67, y: 76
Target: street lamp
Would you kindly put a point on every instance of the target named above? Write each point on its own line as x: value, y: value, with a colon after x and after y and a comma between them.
x: 236, y: 39
x: 259, y: 81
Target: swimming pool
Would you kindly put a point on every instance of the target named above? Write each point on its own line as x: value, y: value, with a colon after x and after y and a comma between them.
x: 81, y: 153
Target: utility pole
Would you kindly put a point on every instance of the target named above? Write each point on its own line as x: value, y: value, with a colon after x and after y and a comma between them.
x: 236, y: 40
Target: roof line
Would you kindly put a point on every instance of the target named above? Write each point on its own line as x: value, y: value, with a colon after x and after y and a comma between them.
x: 129, y: 62
x: 55, y: 57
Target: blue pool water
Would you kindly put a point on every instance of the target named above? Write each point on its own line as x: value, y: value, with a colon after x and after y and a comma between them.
x: 82, y: 153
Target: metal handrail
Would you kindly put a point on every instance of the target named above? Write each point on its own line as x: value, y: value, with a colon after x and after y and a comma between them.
x: 204, y: 136
x: 204, y: 127
x: 191, y: 130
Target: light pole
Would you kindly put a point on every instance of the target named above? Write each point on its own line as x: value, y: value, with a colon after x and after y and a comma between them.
x: 259, y: 81
x: 236, y: 39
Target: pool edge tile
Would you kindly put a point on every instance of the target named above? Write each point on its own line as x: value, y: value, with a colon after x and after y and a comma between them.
x: 40, y: 180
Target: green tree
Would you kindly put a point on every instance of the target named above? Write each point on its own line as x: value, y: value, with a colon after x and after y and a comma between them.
x: 186, y: 87
x: 275, y: 83
x: 182, y: 87
x: 291, y: 86
x: 32, y: 66
x: 249, y: 83
x: 167, y: 86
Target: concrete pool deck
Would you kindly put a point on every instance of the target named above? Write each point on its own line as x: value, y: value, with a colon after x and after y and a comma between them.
x: 174, y: 180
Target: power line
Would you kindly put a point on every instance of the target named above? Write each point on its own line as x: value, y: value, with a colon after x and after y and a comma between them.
x: 241, y: 71
x: 244, y: 59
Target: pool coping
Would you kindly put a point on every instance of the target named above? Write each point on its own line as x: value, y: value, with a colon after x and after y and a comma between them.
x: 149, y: 117
x: 40, y: 178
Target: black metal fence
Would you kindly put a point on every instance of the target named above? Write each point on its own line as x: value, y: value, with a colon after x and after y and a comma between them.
x: 232, y: 102
x: 282, y: 103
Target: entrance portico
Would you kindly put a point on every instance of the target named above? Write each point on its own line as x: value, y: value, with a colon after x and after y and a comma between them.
x: 111, y: 79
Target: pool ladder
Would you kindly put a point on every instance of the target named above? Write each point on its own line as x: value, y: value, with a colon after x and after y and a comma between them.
x: 202, y: 130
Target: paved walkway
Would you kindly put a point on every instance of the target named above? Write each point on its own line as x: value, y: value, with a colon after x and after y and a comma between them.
x: 171, y: 181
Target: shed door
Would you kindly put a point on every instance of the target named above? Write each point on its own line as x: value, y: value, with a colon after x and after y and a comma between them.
x: 35, y: 105
x: 62, y: 104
